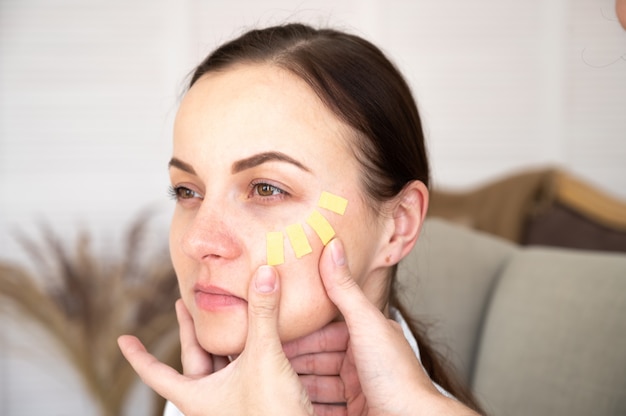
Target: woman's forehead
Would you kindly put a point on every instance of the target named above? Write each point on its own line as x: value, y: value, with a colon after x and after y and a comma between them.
x: 263, y: 101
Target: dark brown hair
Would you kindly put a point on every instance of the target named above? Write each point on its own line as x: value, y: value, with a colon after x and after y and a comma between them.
x: 363, y: 88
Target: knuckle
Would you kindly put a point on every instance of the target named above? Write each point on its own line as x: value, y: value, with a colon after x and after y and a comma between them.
x: 310, y: 364
x: 263, y: 308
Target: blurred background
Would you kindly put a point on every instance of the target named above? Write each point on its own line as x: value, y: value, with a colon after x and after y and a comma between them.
x: 89, y: 89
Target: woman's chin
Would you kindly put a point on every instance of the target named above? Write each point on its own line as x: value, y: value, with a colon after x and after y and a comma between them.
x: 223, y: 347
x: 228, y: 338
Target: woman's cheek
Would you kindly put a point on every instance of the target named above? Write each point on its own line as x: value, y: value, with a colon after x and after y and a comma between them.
x: 304, y: 305
x: 180, y: 262
x: 304, y: 308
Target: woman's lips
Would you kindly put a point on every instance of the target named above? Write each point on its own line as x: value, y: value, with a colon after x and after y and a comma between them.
x: 213, y: 298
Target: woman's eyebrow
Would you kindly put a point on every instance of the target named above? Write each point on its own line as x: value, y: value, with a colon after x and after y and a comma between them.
x: 264, y: 157
x: 184, y: 166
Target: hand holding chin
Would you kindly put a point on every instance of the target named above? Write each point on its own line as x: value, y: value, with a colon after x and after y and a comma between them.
x: 259, y: 381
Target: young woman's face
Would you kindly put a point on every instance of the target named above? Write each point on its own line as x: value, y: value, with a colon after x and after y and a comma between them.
x: 254, y: 148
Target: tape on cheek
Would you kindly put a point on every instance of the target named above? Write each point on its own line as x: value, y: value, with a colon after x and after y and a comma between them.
x: 298, y: 240
x: 275, y: 248
x: 333, y: 203
x: 321, y: 227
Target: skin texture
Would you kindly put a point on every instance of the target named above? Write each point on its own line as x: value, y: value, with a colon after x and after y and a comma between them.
x: 217, y: 237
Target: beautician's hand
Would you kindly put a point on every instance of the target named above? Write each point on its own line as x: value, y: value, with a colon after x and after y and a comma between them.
x: 330, y: 379
x: 392, y: 380
x: 259, y: 382
x: 196, y: 361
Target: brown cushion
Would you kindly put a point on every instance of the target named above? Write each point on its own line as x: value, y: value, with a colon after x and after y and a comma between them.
x: 562, y: 226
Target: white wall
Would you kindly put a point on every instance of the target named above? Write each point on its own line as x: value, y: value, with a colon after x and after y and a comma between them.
x: 88, y: 90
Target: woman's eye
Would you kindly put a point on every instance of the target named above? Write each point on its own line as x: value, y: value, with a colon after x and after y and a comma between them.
x: 180, y: 192
x: 265, y: 189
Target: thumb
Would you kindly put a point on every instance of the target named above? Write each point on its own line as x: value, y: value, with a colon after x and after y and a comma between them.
x: 263, y: 301
x: 268, y: 372
x: 343, y: 290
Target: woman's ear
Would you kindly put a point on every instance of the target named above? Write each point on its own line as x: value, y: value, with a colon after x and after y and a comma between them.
x: 408, y: 210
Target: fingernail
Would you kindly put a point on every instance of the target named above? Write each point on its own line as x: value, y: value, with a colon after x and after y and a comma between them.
x: 336, y: 251
x: 265, y: 280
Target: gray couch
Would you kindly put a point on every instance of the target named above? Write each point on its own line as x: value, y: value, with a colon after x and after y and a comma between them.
x: 534, y: 331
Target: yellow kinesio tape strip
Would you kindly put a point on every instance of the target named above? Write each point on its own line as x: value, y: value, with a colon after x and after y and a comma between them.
x: 333, y: 203
x: 298, y: 240
x: 321, y: 226
x: 275, y: 248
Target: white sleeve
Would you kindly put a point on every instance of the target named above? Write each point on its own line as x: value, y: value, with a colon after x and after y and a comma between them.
x: 171, y: 410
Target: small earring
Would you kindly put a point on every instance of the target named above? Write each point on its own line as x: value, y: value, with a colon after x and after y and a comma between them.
x: 388, y: 258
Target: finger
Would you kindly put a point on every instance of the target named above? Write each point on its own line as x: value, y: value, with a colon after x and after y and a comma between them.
x: 160, y: 377
x: 331, y: 338
x: 267, y: 372
x: 196, y: 361
x: 330, y: 410
x: 321, y: 364
x: 263, y: 300
x: 219, y: 362
x: 372, y: 338
x: 324, y: 389
x: 345, y: 293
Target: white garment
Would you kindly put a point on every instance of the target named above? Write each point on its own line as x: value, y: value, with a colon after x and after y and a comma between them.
x: 397, y: 316
x: 171, y: 410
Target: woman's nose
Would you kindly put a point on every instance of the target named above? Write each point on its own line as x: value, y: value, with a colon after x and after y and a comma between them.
x: 209, y: 237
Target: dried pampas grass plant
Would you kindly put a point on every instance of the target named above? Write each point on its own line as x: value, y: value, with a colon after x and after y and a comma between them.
x: 85, y: 301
